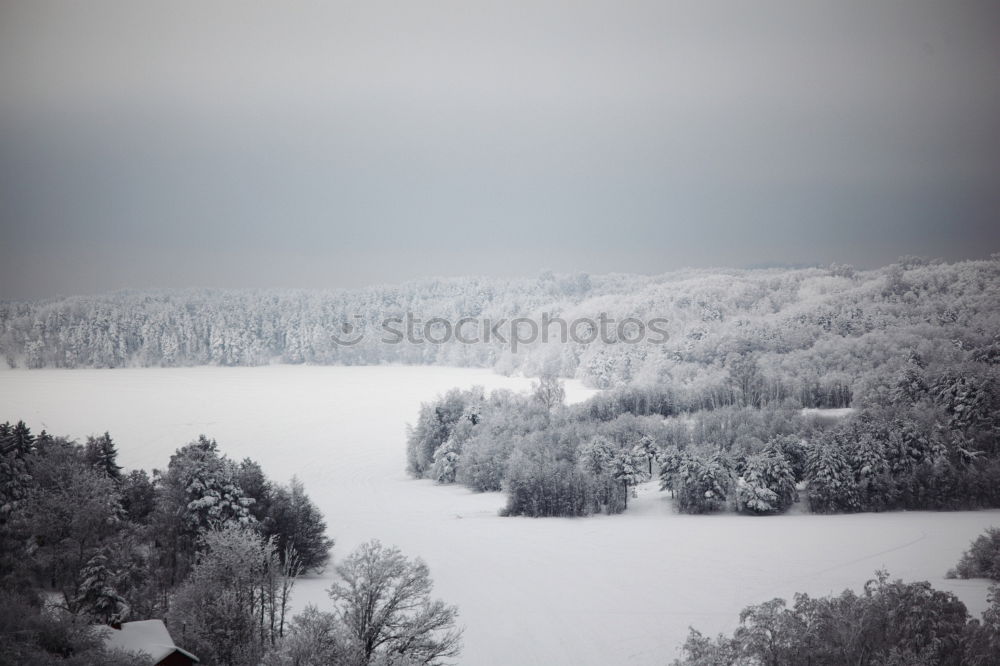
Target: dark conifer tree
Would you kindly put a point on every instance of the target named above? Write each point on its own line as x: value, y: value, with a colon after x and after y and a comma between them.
x: 102, y: 454
x: 294, y: 521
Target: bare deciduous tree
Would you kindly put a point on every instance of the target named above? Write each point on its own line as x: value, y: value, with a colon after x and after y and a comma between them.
x: 549, y: 391
x: 383, y: 599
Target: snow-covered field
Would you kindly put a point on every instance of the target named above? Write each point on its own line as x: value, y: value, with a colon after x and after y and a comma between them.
x: 600, y: 590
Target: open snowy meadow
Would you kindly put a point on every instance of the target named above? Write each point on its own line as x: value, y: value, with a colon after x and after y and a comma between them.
x: 599, y: 590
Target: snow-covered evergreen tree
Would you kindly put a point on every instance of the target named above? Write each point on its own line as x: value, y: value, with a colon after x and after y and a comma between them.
x: 767, y: 484
x: 672, y: 462
x: 628, y: 469
x: 704, y: 484
x: 97, y: 595
x: 198, y: 492
x: 647, y: 448
x: 15, y: 480
x: 102, y: 454
x: 832, y: 487
x: 446, y: 459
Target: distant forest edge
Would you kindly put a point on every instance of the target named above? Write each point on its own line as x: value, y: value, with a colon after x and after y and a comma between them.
x: 816, y: 337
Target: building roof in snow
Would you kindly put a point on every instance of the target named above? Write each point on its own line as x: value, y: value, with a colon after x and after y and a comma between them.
x: 148, y: 636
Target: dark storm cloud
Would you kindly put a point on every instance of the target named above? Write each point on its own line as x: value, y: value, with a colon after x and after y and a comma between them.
x: 337, y: 144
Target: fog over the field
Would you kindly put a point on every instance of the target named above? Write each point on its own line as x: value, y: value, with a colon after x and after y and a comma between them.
x: 342, y: 143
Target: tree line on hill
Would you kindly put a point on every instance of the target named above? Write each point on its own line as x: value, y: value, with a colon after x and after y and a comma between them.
x: 210, y: 544
x: 817, y: 336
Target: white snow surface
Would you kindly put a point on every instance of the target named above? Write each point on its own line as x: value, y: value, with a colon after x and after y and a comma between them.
x: 574, y: 591
x: 833, y: 413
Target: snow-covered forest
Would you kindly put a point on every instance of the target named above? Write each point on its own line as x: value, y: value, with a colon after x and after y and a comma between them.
x: 924, y: 437
x: 831, y: 390
x: 922, y: 434
x: 816, y: 336
x: 210, y: 544
x: 341, y: 429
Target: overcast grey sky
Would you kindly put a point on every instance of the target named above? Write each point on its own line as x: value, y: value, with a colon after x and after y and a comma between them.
x: 344, y: 143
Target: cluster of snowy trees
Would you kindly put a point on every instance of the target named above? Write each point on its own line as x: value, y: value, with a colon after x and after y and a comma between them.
x: 552, y: 461
x: 528, y: 445
x: 114, y: 546
x: 232, y: 608
x: 926, y: 437
x: 928, y: 440
x: 924, y: 440
x: 558, y: 461
x: 209, y: 543
x: 890, y: 623
x: 761, y: 482
x: 982, y: 559
x: 816, y: 336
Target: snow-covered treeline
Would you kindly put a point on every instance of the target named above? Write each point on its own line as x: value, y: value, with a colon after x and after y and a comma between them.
x: 924, y: 437
x: 813, y: 334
